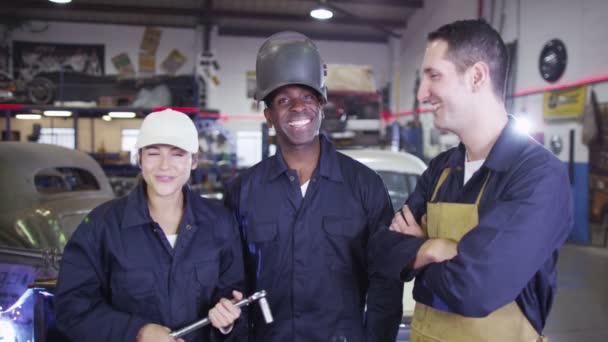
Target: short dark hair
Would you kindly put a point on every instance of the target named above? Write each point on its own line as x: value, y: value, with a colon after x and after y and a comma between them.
x: 472, y: 41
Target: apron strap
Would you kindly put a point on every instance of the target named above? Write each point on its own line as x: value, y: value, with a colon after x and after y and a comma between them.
x: 442, y: 178
x: 444, y: 175
x: 483, y: 188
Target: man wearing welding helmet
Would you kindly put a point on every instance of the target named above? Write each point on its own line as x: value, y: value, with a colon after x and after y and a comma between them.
x: 307, y: 213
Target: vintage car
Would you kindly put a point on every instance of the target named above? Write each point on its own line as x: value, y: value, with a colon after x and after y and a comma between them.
x: 400, y: 172
x: 46, y: 192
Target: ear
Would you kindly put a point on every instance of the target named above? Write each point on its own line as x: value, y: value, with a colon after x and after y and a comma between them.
x: 194, y: 161
x: 268, y: 117
x: 479, y: 76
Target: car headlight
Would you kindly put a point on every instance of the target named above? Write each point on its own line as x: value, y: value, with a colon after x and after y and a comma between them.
x: 7, y: 331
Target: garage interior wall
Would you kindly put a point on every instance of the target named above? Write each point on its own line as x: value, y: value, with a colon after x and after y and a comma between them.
x: 581, y: 25
x: 116, y: 39
x: 236, y: 56
x: 107, y: 135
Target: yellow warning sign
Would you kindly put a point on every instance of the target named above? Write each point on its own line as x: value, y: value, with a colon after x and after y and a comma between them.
x: 564, y: 103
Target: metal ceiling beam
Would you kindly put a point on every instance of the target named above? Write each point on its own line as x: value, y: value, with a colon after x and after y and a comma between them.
x: 240, y: 32
x: 207, y: 20
x: 264, y: 33
x: 215, y: 13
x: 415, y: 4
x: 105, y: 20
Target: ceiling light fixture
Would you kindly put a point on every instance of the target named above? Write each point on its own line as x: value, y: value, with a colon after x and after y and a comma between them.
x: 28, y: 116
x: 61, y: 1
x: 122, y: 115
x: 321, y: 12
x: 62, y: 113
x: 106, y: 118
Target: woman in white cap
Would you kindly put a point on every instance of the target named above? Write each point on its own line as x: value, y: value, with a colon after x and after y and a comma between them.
x: 157, y: 259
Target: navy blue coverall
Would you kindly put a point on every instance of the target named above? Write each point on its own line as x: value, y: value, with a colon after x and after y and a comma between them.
x: 525, y: 215
x: 119, y: 272
x: 310, y: 253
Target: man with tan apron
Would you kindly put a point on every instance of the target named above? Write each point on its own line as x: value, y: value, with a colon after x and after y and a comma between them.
x: 504, y: 324
x: 482, y: 230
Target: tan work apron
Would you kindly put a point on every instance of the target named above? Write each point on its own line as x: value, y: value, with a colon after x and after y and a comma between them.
x: 508, y: 323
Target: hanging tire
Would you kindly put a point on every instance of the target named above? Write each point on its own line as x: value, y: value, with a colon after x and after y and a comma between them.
x: 40, y: 91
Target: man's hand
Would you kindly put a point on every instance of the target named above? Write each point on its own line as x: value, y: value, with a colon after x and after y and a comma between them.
x: 405, y: 223
x: 434, y: 251
x: 224, y: 313
x: 155, y: 333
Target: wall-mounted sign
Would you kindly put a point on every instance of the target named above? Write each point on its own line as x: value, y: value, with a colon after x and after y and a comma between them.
x: 173, y: 62
x: 32, y: 58
x: 564, y: 103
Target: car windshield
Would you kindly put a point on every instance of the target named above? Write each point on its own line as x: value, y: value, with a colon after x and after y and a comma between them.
x: 400, y: 186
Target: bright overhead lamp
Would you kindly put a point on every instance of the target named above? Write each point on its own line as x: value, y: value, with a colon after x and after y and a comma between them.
x: 60, y: 113
x: 523, y: 125
x: 28, y: 116
x: 61, y: 1
x: 106, y: 118
x: 321, y: 13
x: 122, y: 115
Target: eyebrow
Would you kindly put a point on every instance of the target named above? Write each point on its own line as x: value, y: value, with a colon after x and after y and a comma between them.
x: 154, y: 147
x: 429, y: 70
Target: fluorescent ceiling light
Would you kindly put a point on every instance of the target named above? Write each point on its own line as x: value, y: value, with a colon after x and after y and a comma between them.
x: 106, y: 118
x: 63, y: 113
x: 28, y: 116
x: 61, y: 1
x: 321, y: 13
x: 121, y: 115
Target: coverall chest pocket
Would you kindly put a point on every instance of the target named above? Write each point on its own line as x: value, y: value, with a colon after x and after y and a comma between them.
x: 134, y: 291
x: 206, y: 275
x: 342, y: 239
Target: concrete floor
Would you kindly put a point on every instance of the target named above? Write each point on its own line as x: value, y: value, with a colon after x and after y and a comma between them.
x: 580, y: 310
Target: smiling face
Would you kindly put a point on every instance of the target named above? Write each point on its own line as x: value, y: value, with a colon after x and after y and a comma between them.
x: 166, y: 169
x: 296, y: 114
x: 445, y: 89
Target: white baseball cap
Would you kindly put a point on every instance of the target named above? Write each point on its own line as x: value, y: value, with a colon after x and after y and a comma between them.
x: 168, y: 127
